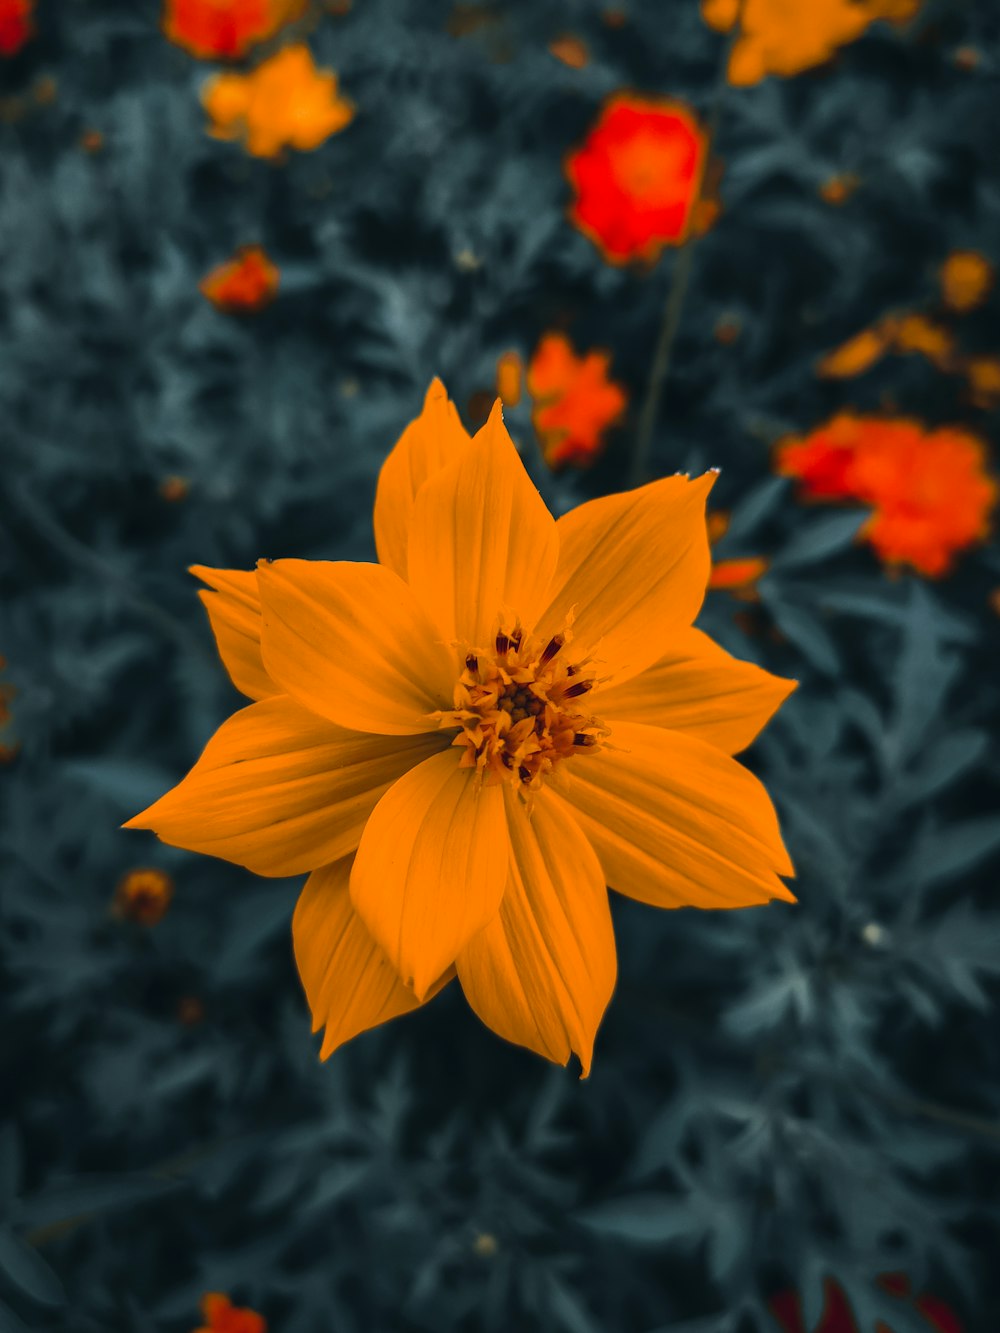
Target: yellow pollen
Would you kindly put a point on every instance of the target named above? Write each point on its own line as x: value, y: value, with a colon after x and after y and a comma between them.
x: 520, y: 709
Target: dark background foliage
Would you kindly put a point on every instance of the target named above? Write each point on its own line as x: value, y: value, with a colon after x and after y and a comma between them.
x: 778, y: 1094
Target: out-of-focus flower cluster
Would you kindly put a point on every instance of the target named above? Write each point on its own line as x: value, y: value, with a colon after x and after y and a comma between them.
x: 226, y: 29
x: 930, y: 490
x: 246, y: 282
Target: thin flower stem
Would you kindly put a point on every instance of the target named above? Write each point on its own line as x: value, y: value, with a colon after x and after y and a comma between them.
x: 680, y: 280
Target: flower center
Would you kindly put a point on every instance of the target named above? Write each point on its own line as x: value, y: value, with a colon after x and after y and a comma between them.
x: 520, y: 709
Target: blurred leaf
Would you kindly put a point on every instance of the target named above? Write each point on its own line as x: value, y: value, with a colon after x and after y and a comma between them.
x: 28, y: 1270
x: 819, y: 538
x: 645, y: 1219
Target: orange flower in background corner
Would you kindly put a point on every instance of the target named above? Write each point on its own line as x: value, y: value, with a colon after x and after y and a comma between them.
x: 244, y: 283
x: 574, y: 401
x: 966, y: 279
x: 467, y: 742
x: 930, y: 491
x: 785, y: 37
x: 143, y: 895
x: 637, y: 177
x: 221, y: 1316
x: 16, y: 25
x: 225, y: 29
x: 286, y: 102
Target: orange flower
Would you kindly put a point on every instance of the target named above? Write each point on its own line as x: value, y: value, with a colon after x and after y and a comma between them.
x: 739, y: 576
x: 510, y: 373
x: 575, y: 402
x: 221, y: 1316
x: 246, y: 282
x: 637, y: 177
x: 143, y: 896
x: 786, y: 36
x: 16, y: 25
x: 225, y: 29
x: 931, y: 494
x: 966, y: 279
x: 856, y: 355
x: 286, y: 102
x: 570, y: 50
x: 917, y: 333
x: 983, y: 375
x: 468, y: 741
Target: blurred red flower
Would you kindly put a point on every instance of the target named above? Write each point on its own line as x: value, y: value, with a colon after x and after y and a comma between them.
x: 574, y: 401
x: 221, y: 1316
x: 637, y: 177
x: 225, y: 29
x: 930, y: 491
x: 15, y: 25
x: 246, y: 282
x: 837, y: 1316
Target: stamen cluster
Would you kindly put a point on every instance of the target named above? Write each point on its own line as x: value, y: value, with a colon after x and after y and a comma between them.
x: 518, y: 709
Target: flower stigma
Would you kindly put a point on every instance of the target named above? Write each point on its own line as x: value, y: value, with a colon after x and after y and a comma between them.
x: 520, y: 709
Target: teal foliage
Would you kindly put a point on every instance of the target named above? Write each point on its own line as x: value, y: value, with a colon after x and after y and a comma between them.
x: 778, y: 1095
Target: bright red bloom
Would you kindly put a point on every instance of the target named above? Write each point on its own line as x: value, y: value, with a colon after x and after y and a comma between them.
x: 575, y: 402
x: 225, y: 29
x: 221, y: 1316
x: 246, y: 282
x: 930, y: 491
x: 837, y: 1316
x: 638, y: 177
x: 15, y: 25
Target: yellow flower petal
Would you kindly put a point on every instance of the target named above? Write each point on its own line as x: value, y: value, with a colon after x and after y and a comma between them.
x: 633, y: 568
x: 675, y: 822
x: 699, y: 688
x: 349, y: 983
x: 435, y: 439
x: 234, y: 612
x: 431, y: 866
x: 482, y: 543
x: 281, y: 791
x: 351, y: 643
x: 542, y: 972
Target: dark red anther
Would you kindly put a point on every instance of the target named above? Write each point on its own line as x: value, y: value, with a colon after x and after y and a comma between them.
x: 503, y: 643
x: 553, y: 646
x: 581, y: 738
x: 472, y: 662
x: 581, y: 687
x: 524, y: 773
x: 516, y: 635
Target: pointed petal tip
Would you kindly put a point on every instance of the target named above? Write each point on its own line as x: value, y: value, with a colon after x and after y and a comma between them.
x: 435, y: 391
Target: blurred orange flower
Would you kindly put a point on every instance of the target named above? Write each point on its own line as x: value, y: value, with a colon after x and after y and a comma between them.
x: 143, y: 895
x: 918, y: 333
x: 434, y: 740
x: 907, y: 333
x: 246, y: 282
x: 510, y: 373
x: 856, y: 355
x: 570, y: 50
x: 286, y: 102
x: 16, y: 25
x: 983, y: 376
x: 225, y: 29
x: 966, y: 278
x: 785, y: 37
x: 931, y: 494
x: 739, y: 576
x: 637, y: 177
x: 221, y: 1316
x: 575, y: 402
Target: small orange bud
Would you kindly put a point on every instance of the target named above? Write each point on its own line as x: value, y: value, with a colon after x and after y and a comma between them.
x: 91, y: 141
x: 738, y: 576
x: 46, y: 90
x: 485, y: 1245
x: 717, y: 523
x: 836, y: 190
x: 174, y: 488
x: 966, y: 278
x: 510, y: 372
x: 244, y: 283
x: 143, y: 895
x: 728, y: 329
x: 855, y: 356
x: 570, y: 50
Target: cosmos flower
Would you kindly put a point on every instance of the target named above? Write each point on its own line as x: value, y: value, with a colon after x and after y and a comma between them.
x: 225, y: 29
x: 16, y: 25
x: 286, y: 102
x: 221, y: 1316
x: 143, y: 895
x: 785, y: 37
x: 574, y: 401
x: 246, y: 282
x: 966, y: 279
x: 930, y: 491
x: 637, y: 177
x: 467, y: 742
